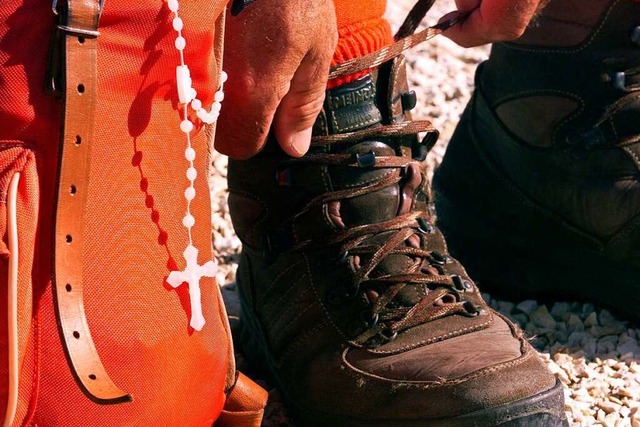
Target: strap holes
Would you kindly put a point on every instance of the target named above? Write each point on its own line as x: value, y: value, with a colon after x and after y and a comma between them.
x: 69, y: 238
x: 76, y: 335
x: 68, y: 287
x: 81, y: 88
x: 73, y: 190
x: 81, y: 40
x: 78, y: 140
x: 92, y: 376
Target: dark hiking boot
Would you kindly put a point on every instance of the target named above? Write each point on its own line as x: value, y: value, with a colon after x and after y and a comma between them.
x: 350, y: 301
x: 539, y: 191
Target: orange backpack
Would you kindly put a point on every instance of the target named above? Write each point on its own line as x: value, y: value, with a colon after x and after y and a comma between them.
x: 92, y: 180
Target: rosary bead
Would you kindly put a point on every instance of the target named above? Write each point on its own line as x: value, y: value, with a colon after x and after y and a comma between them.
x: 188, y: 221
x: 187, y: 94
x: 181, y: 43
x: 183, y: 81
x: 186, y: 126
x: 173, y: 5
x: 202, y: 114
x: 211, y: 117
x: 192, y: 173
x: 178, y: 24
x: 190, y: 193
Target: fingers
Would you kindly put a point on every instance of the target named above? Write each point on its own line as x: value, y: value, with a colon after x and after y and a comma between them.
x: 247, y: 113
x: 258, y: 80
x: 301, y: 105
x: 491, y: 20
x: 278, y: 62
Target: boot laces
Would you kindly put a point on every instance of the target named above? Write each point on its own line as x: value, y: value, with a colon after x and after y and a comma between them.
x: 406, y: 234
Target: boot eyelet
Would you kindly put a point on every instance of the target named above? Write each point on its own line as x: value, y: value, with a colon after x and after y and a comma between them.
x: 408, y: 100
x: 430, y: 140
x: 365, y: 322
x: 343, y: 257
x: 387, y: 335
x: 437, y: 258
x: 424, y: 227
x: 369, y: 321
x: 471, y: 310
x: 457, y: 283
x: 461, y: 284
x: 366, y: 160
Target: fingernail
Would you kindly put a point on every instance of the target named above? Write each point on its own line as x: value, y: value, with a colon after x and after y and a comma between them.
x: 300, y: 141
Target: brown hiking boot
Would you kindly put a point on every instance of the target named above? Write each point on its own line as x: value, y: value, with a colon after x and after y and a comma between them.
x: 350, y: 301
x: 539, y: 191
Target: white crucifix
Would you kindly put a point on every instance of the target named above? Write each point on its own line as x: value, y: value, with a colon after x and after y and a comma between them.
x: 192, y: 274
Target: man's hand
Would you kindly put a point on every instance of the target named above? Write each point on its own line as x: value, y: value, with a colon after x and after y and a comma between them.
x: 277, y: 55
x: 491, y: 20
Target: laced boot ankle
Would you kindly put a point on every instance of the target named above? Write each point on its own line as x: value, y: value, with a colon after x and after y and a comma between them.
x: 350, y: 302
x: 539, y: 191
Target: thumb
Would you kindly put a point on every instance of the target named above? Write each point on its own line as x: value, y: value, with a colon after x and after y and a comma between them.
x: 301, y: 105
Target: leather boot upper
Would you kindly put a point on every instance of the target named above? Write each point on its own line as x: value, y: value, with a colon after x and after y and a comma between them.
x: 361, y: 307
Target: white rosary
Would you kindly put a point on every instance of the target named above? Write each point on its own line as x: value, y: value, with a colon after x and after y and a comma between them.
x: 187, y: 96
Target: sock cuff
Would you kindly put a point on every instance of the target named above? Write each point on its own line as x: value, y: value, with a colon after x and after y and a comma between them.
x: 357, y: 40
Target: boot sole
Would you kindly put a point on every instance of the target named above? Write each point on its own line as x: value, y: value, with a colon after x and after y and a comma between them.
x: 543, y: 409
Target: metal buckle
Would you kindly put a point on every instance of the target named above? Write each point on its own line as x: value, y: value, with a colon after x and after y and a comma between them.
x: 54, y: 6
x: 76, y: 31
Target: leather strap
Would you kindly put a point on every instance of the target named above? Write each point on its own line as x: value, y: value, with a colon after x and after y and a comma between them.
x: 244, y: 406
x: 79, y: 26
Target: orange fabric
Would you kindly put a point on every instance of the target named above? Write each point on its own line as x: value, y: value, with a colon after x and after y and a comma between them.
x: 362, y: 29
x: 133, y: 221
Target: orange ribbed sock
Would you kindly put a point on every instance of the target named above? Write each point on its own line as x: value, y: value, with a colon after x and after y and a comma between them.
x: 362, y: 29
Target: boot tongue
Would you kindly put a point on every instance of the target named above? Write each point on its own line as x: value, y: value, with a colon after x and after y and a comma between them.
x: 381, y: 205
x: 378, y: 206
x: 395, y: 264
x: 349, y: 108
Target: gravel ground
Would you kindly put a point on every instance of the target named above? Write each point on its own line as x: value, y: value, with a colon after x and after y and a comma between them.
x: 595, y: 355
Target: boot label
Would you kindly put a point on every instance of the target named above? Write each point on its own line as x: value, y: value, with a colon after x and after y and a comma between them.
x: 352, y: 106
